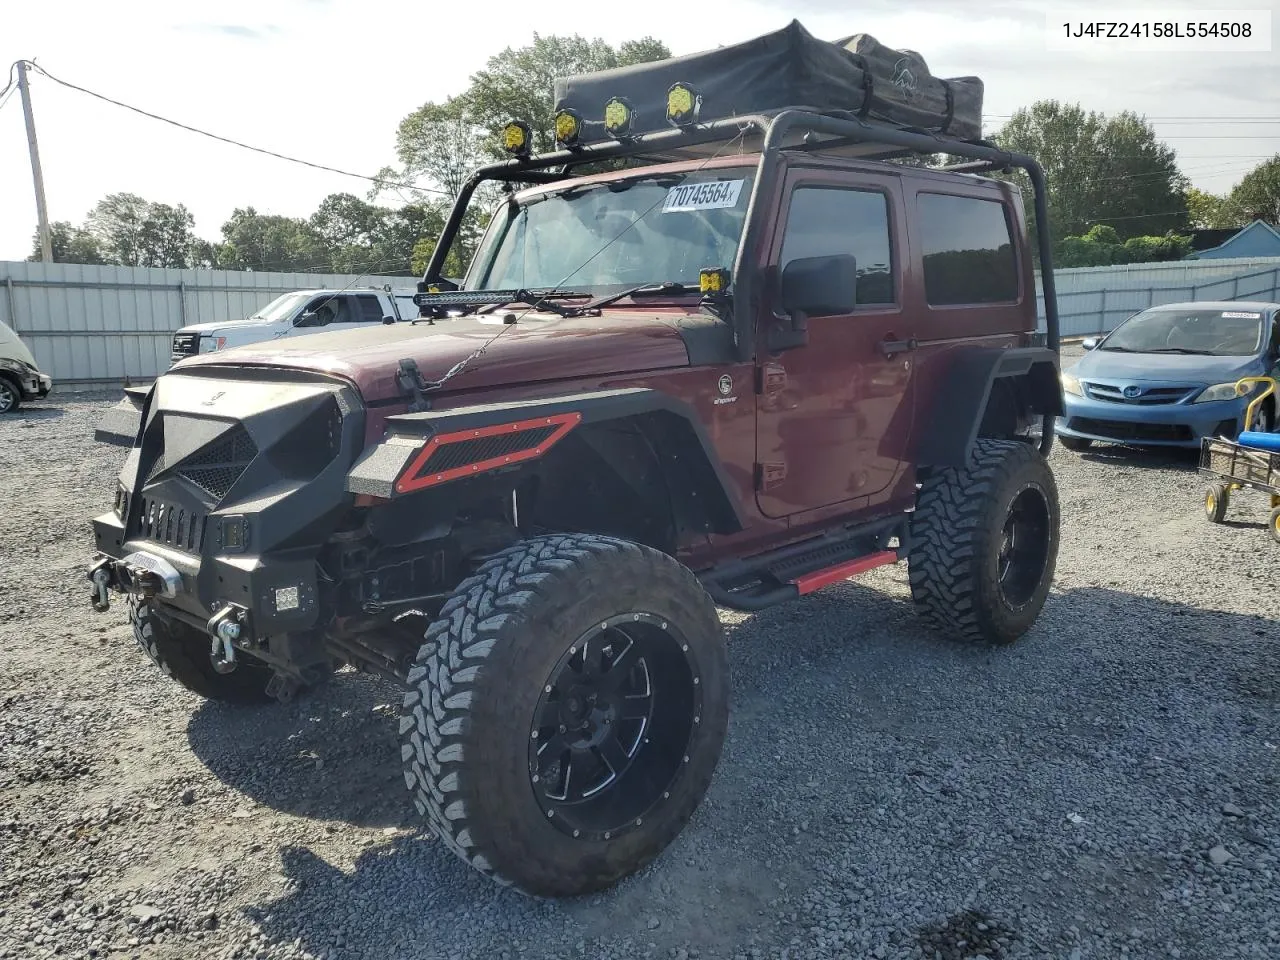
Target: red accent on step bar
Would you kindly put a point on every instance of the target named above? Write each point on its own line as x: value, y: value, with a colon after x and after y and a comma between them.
x: 843, y: 571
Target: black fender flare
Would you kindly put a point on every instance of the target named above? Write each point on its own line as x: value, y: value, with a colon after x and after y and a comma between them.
x: 119, y: 425
x: 406, y: 447
x: 957, y: 410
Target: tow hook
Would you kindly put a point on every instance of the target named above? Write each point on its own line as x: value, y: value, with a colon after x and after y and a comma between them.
x: 224, y: 629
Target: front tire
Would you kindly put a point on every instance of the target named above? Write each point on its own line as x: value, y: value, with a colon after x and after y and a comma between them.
x: 566, y: 712
x: 10, y: 396
x: 984, y: 543
x: 182, y: 653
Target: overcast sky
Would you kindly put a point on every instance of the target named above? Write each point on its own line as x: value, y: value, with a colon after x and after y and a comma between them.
x: 328, y: 80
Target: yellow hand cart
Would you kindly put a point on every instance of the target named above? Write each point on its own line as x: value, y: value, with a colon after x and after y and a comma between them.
x: 1234, y: 465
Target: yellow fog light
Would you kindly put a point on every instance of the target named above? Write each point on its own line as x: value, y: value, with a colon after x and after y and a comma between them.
x: 516, y: 138
x: 568, y: 124
x: 618, y: 117
x: 713, y: 281
x: 683, y: 104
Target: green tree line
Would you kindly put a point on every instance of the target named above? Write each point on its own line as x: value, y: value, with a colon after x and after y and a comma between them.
x: 1116, y: 193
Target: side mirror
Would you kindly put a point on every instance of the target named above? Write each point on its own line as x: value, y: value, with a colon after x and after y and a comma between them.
x: 1090, y: 343
x: 308, y: 319
x: 813, y: 286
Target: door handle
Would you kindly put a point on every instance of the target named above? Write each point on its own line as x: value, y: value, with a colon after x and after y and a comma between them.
x: 891, y: 347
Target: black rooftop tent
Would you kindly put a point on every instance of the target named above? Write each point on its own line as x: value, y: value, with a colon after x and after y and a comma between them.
x: 854, y: 78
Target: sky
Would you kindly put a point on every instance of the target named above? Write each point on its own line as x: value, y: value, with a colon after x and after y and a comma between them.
x: 329, y: 80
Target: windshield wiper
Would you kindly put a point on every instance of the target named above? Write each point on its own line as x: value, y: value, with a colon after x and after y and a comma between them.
x: 1117, y: 349
x: 1186, y: 350
x: 644, y: 290
x: 539, y: 301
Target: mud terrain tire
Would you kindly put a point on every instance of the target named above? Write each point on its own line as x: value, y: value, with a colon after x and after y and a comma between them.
x: 490, y: 673
x: 183, y: 654
x: 984, y: 543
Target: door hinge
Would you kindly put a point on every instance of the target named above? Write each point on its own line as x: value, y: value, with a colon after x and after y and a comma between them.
x: 770, y: 379
x: 770, y: 475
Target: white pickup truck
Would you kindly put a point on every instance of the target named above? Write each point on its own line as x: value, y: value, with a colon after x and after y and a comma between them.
x: 298, y: 313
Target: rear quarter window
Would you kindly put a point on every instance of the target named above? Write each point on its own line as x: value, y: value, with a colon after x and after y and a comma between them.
x: 968, y: 252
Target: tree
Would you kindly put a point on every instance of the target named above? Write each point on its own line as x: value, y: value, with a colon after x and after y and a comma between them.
x: 1103, y: 247
x: 1257, y: 196
x: 134, y: 232
x: 1210, y: 211
x: 254, y: 241
x: 1100, y: 169
x: 520, y: 83
x: 71, y: 244
x: 442, y: 143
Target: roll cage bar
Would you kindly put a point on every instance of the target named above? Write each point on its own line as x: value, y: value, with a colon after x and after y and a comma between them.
x: 820, y: 131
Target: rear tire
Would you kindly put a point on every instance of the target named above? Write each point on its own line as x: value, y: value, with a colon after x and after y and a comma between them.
x: 1216, y: 500
x: 502, y: 708
x: 984, y: 543
x: 183, y: 654
x: 1075, y: 443
x: 10, y: 396
x: 1273, y: 524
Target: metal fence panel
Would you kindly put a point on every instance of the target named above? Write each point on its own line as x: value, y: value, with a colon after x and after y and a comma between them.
x: 1097, y: 299
x: 90, y: 324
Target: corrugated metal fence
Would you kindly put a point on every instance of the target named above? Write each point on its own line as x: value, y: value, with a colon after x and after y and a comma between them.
x: 91, y: 325
x: 1097, y: 299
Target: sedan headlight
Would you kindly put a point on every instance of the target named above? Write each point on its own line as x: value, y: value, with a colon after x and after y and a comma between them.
x: 1071, y: 385
x: 1220, y: 391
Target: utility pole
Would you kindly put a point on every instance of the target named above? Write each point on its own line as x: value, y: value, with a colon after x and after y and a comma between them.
x: 42, y: 211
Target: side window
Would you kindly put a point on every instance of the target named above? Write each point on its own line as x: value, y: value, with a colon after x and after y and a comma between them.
x: 968, y: 250
x: 369, y: 309
x: 826, y: 221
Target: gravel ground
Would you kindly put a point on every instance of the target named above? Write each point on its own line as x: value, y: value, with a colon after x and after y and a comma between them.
x: 1106, y: 788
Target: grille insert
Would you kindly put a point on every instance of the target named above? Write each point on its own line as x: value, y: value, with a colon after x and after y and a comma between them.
x: 164, y: 523
x: 216, y: 469
x: 463, y: 452
x: 1148, y: 397
x: 186, y: 344
x: 1125, y: 430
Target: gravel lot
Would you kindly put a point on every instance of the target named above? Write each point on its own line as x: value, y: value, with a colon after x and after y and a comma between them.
x: 1106, y: 788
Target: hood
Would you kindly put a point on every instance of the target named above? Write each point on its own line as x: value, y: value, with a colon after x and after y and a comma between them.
x: 538, y: 348
x: 11, y: 348
x: 219, y: 326
x: 1191, y: 368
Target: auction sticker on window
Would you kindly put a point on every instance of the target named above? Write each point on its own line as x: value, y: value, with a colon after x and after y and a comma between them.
x: 1238, y: 315
x: 713, y: 195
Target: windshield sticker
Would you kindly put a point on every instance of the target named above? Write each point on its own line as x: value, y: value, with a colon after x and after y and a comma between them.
x: 1242, y: 316
x: 703, y: 196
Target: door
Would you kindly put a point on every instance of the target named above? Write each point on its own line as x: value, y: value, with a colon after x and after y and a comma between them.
x: 825, y: 407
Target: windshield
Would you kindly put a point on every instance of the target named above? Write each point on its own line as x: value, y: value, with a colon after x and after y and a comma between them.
x: 1217, y: 333
x: 281, y: 307
x: 605, y: 237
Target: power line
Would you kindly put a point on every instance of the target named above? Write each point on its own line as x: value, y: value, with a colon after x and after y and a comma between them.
x: 234, y: 143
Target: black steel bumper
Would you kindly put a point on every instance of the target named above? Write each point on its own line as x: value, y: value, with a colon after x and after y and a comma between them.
x: 266, y: 595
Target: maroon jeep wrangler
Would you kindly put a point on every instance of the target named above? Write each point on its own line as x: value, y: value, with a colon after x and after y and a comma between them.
x: 726, y: 379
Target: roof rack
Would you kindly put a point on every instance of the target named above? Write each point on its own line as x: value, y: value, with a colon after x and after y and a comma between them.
x: 791, y: 129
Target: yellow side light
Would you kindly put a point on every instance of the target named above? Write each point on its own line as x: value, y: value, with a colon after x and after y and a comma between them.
x: 713, y: 281
x: 568, y: 124
x: 618, y: 117
x: 683, y: 104
x: 516, y: 138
